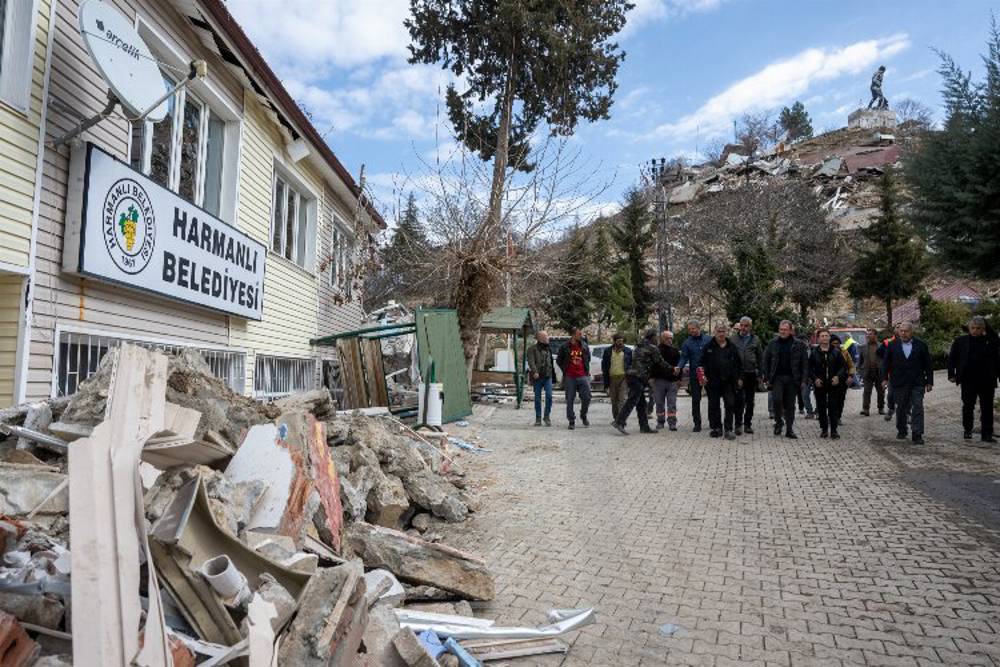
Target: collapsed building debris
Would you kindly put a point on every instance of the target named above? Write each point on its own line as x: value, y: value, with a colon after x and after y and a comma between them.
x: 283, y: 533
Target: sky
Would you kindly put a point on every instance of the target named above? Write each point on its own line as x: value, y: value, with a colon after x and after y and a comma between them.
x: 691, y: 68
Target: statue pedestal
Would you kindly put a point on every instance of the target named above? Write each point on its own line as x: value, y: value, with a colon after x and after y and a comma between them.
x: 872, y: 119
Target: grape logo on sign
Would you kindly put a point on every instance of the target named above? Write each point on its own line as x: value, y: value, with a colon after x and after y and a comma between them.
x: 128, y: 226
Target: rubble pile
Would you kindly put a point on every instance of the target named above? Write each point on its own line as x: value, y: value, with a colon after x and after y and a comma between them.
x: 841, y: 166
x: 156, y: 518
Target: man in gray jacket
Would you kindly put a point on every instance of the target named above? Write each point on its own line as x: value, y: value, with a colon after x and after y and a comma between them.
x: 542, y: 373
x: 751, y: 353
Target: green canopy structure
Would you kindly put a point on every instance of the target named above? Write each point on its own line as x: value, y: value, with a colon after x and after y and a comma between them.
x: 516, y: 323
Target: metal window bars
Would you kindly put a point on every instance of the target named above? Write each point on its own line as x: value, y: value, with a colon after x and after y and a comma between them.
x: 79, y: 355
x: 279, y: 376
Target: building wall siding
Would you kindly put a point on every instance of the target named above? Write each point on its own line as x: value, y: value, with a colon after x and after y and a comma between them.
x: 10, y: 308
x: 19, y: 156
x: 290, y: 292
x: 62, y: 298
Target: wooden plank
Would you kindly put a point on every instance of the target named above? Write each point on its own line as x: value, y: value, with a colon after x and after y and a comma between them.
x: 378, y: 395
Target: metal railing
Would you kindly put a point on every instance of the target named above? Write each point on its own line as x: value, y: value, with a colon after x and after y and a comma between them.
x: 79, y: 355
x: 279, y: 376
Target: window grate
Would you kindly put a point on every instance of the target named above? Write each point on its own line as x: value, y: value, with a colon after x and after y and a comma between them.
x: 279, y: 376
x: 80, y: 354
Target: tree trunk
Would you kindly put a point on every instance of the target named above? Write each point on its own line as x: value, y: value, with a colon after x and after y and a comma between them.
x: 475, y: 288
x: 888, y: 312
x: 803, y: 313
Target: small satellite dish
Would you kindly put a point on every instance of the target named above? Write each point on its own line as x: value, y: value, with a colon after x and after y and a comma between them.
x: 123, y: 59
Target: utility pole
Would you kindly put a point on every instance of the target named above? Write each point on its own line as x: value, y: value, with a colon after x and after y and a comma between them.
x: 655, y: 178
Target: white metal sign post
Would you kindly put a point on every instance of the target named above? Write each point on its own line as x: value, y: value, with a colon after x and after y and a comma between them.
x: 124, y: 228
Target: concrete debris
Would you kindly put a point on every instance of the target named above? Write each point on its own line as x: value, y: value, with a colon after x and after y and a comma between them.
x: 412, y: 651
x: 16, y: 647
x: 331, y: 620
x: 254, y: 523
x: 24, y: 487
x: 421, y: 562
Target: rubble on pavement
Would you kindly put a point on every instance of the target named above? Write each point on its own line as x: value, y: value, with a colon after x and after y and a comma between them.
x: 212, y: 529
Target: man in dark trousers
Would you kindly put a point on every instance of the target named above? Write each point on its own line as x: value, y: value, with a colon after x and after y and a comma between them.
x: 542, y: 374
x: 868, y: 360
x: 751, y: 351
x: 907, y: 367
x: 720, y: 372
x: 574, y: 360
x: 646, y: 360
x: 974, y: 365
x: 615, y: 363
x: 691, y: 357
x: 785, y: 373
x: 828, y: 374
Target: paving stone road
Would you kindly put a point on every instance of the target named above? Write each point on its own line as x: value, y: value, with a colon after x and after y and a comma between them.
x: 764, y: 551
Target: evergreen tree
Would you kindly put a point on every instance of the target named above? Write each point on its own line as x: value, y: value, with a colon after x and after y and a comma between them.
x: 894, y: 263
x: 400, y: 262
x: 621, y: 304
x: 953, y: 174
x: 796, y: 122
x: 569, y: 302
x: 528, y: 63
x: 633, y: 236
x: 748, y: 284
x: 603, y: 261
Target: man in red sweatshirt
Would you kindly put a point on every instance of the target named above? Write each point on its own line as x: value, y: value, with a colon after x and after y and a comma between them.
x: 574, y: 360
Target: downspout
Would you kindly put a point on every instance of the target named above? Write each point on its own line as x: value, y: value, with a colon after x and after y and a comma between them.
x: 24, y: 336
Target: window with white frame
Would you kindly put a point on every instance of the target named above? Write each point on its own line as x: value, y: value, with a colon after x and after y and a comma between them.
x: 341, y: 256
x: 292, y: 221
x: 279, y: 376
x: 184, y: 151
x: 79, y: 355
x: 17, y: 38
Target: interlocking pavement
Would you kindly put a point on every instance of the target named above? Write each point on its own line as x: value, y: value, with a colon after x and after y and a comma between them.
x: 763, y: 551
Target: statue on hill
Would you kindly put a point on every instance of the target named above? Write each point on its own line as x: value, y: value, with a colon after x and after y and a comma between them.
x: 878, y: 99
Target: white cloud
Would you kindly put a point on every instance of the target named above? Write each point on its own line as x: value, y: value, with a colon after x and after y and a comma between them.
x: 649, y: 11
x: 779, y: 82
x: 314, y: 36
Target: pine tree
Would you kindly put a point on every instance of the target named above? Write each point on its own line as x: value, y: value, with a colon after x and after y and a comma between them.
x: 603, y: 261
x: 399, y: 267
x: 796, y: 122
x: 633, y: 236
x: 953, y: 174
x: 568, y: 303
x: 894, y: 263
x: 528, y: 63
x: 748, y: 284
x: 621, y: 304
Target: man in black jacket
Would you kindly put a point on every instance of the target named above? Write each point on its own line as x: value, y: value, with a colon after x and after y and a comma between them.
x: 785, y: 373
x: 751, y: 351
x: 720, y: 371
x: 828, y: 374
x: 974, y: 365
x: 666, y: 385
x: 907, y: 366
x: 646, y: 360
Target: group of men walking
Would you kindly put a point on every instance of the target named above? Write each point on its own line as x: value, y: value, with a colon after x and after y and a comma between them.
x: 729, y: 369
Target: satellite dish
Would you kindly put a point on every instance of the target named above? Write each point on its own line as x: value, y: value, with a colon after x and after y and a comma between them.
x: 123, y: 59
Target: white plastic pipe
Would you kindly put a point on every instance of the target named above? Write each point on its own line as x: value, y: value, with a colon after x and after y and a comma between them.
x: 225, y: 579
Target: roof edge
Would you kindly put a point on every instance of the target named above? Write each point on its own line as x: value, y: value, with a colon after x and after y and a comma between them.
x: 245, y: 47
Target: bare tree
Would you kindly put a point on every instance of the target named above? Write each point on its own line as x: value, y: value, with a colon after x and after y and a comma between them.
x: 757, y: 132
x: 919, y: 114
x: 454, y: 199
x: 714, y: 149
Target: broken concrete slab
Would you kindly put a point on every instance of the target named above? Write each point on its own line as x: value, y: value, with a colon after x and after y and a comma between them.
x: 411, y: 651
x: 24, y: 487
x: 685, y: 193
x: 378, y: 637
x: 432, y: 492
x: 384, y: 588
x: 319, y: 402
x: 291, y: 457
x: 46, y: 611
x: 37, y: 418
x: 417, y: 561
x: 331, y: 620
x: 421, y: 522
x: 388, y: 502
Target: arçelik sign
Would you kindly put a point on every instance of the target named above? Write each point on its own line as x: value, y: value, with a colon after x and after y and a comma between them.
x: 123, y: 228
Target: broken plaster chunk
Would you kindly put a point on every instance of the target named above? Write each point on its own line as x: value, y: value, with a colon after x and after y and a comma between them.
x: 412, y: 651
